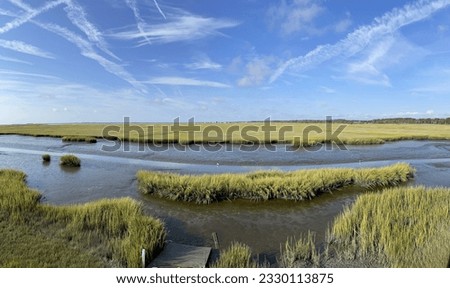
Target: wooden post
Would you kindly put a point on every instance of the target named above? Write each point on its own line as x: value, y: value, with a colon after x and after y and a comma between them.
x: 216, y: 240
x: 143, y: 258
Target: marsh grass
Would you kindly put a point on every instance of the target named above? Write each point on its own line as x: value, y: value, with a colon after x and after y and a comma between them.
x: 15, y: 198
x: 397, y: 227
x: 102, y: 233
x: 400, y: 227
x: 237, y: 255
x: 46, y: 158
x: 90, y: 140
x: 266, y: 185
x: 300, y: 252
x: 70, y: 161
x: 353, y: 134
x: 79, y: 139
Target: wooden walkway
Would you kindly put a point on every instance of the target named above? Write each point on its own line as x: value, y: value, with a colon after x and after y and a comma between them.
x: 177, y: 255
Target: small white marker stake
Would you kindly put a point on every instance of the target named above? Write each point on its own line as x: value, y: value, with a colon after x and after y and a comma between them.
x: 143, y: 258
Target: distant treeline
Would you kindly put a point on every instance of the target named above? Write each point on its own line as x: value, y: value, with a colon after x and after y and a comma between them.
x: 379, y: 121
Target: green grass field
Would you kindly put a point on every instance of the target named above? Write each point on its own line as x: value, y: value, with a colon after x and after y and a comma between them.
x: 290, y: 133
x: 105, y: 233
x: 266, y: 185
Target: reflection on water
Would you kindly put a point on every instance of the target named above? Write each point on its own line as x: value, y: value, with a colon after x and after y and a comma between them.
x: 68, y: 169
x: 262, y: 225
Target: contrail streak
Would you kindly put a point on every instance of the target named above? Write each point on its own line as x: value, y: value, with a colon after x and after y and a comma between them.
x: 77, y: 16
x: 9, y: 59
x: 22, y: 47
x: 357, y: 40
x: 139, y: 21
x: 88, y: 51
x: 159, y: 9
x: 22, y: 5
x: 30, y: 15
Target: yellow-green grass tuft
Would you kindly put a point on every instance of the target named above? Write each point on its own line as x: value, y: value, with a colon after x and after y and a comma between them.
x: 238, y: 255
x: 15, y: 198
x: 266, y: 185
x: 300, y: 252
x: 70, y: 161
x: 86, y: 139
x: 400, y: 227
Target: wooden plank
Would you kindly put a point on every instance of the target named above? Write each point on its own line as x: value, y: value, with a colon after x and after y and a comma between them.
x: 216, y: 240
x: 177, y: 255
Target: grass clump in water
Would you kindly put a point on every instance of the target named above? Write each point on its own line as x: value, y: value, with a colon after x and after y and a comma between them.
x: 105, y: 233
x: 46, y: 158
x: 70, y: 161
x: 238, y: 255
x: 87, y: 139
x: 400, y: 227
x: 266, y: 185
x: 90, y: 140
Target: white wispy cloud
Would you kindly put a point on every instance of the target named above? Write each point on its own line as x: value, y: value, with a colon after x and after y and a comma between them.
x: 438, y: 88
x: 181, y: 81
x: 342, y: 25
x: 20, y: 4
x: 140, y: 23
x: 24, y: 100
x: 174, y: 102
x: 25, y: 48
x: 6, y: 13
x: 294, y: 16
x: 203, y: 63
x: 358, y: 40
x: 369, y: 70
x: 10, y: 59
x: 327, y: 90
x: 256, y: 71
x: 183, y: 27
x: 428, y: 113
x: 13, y: 73
x: 29, y: 15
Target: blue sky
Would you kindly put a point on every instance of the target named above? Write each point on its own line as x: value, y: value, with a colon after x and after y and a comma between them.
x: 155, y: 60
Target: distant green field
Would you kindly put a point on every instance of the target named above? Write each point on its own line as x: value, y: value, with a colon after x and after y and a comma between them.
x: 290, y: 133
